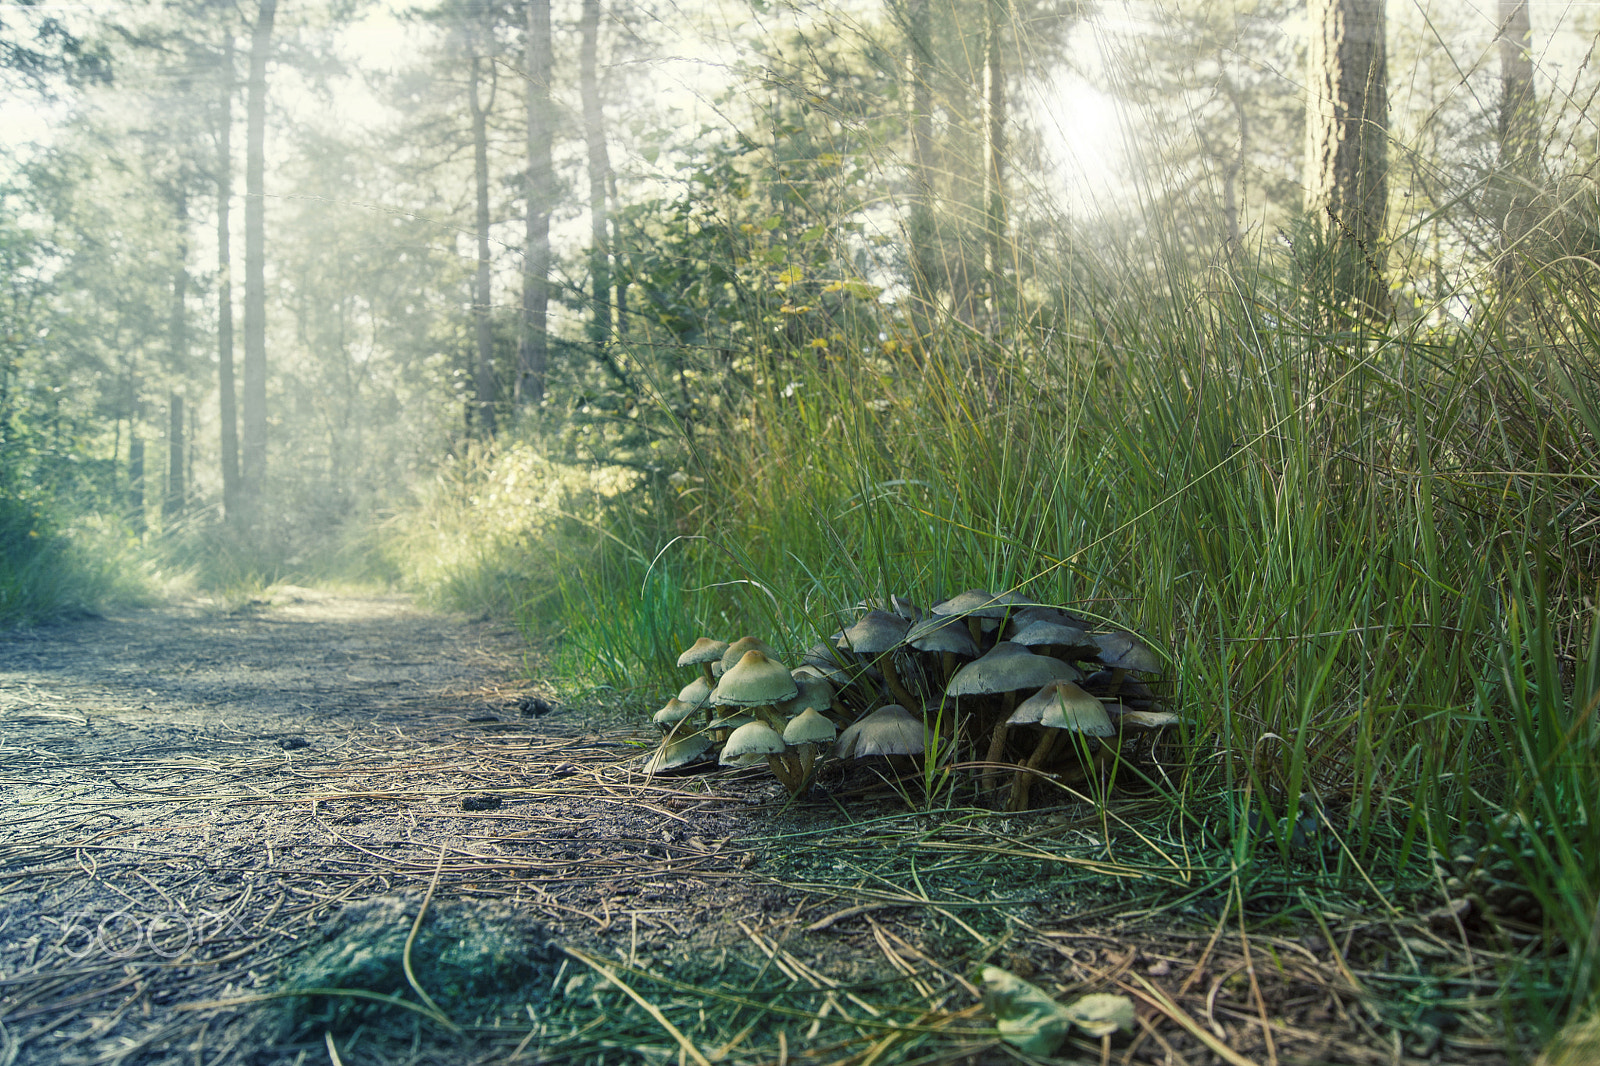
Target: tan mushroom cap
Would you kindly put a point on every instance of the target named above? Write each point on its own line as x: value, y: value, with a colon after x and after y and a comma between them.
x: 942, y: 633
x: 890, y: 730
x: 736, y: 650
x: 704, y: 650
x: 816, y: 693
x: 1123, y: 651
x: 751, y: 744
x: 809, y: 727
x: 981, y: 603
x: 1063, y: 705
x: 1009, y: 667
x: 875, y: 633
x: 678, y: 753
x: 696, y: 692
x: 755, y: 681
x: 675, y: 711
x: 1146, y: 720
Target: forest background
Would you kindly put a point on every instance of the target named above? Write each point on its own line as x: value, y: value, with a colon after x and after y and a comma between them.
x: 1267, y: 330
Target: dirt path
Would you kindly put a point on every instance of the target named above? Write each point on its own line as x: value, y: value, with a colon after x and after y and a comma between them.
x: 192, y: 796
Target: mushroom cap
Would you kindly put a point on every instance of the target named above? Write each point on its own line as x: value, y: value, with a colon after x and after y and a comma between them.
x: 1079, y: 644
x: 755, y: 681
x: 678, y: 753
x: 981, y: 603
x: 1009, y: 667
x: 942, y: 633
x: 736, y: 650
x: 750, y: 744
x: 704, y: 650
x: 1146, y: 720
x: 875, y: 633
x: 890, y: 730
x: 696, y: 692
x: 732, y: 719
x: 809, y: 727
x: 1063, y: 705
x: 816, y: 694
x: 1124, y: 651
x: 675, y: 711
x: 1040, y: 612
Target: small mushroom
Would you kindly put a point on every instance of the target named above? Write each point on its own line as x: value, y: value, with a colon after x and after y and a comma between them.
x: 675, y: 753
x: 759, y: 742
x: 703, y: 653
x: 736, y: 650
x: 982, y: 609
x: 1124, y: 654
x: 804, y: 732
x: 878, y: 634
x: 674, y: 712
x: 696, y: 692
x: 1060, y: 641
x: 1006, y: 670
x: 755, y: 682
x: 1060, y: 707
x: 890, y: 730
x: 945, y: 636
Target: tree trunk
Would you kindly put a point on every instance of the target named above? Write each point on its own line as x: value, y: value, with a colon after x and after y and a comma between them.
x: 920, y: 235
x: 1347, y: 127
x: 994, y: 171
x: 599, y: 171
x: 534, y: 352
x: 1518, y: 135
x: 227, y: 402
x: 253, y: 452
x: 484, y: 413
x: 172, y: 502
x: 135, y: 478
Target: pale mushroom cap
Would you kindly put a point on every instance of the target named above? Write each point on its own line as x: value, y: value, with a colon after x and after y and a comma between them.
x: 1063, y: 705
x: 1149, y: 720
x: 704, y: 650
x: 981, y: 603
x: 755, y: 681
x: 696, y: 692
x: 890, y: 730
x: 1121, y: 651
x: 816, y: 694
x: 1009, y: 667
x: 732, y: 719
x: 809, y: 727
x: 875, y: 633
x: 942, y: 633
x: 1039, y: 612
x: 755, y: 739
x: 1037, y: 634
x: 736, y: 650
x: 680, y: 752
x: 675, y: 711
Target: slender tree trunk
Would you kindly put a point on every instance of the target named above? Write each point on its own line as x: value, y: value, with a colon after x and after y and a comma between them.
x: 599, y: 170
x: 1518, y: 135
x: 228, y: 414
x: 178, y: 334
x: 920, y: 234
x: 135, y: 479
x: 534, y: 353
x: 994, y: 171
x: 253, y: 451
x: 481, y: 291
x: 1347, y: 128
x: 172, y: 503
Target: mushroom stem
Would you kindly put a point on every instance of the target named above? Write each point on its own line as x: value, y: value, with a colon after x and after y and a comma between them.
x: 885, y: 662
x: 997, y: 743
x: 786, y: 772
x: 1022, y: 781
x: 710, y: 677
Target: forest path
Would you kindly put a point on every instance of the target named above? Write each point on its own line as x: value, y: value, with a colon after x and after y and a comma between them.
x: 191, y: 797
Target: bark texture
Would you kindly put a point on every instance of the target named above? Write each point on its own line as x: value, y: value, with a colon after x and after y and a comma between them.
x: 594, y: 133
x: 1347, y: 129
x: 228, y: 414
x: 483, y: 413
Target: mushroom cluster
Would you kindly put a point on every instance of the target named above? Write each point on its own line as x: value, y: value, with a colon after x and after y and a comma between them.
x: 1022, y: 690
